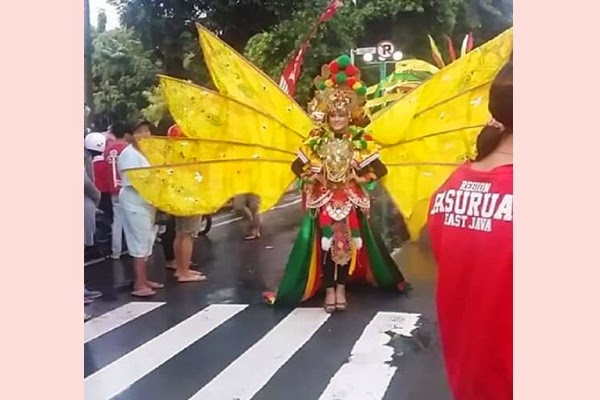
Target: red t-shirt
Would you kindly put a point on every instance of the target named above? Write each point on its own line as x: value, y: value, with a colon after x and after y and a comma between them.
x: 102, y: 175
x: 471, y: 232
x: 111, y: 153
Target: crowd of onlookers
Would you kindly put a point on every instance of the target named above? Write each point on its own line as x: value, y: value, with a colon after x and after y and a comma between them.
x: 110, y: 196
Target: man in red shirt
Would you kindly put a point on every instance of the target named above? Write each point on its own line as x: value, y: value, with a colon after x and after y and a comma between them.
x: 471, y: 229
x: 112, y: 183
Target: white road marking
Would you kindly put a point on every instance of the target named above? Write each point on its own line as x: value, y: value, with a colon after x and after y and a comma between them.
x: 367, y: 374
x: 124, y: 372
x: 245, y: 376
x: 116, y: 318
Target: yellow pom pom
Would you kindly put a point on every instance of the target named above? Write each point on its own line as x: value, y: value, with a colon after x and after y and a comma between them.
x: 329, y: 83
x: 357, y: 85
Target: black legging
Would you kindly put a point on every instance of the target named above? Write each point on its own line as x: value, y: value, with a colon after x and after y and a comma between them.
x: 168, y: 239
x: 329, y: 272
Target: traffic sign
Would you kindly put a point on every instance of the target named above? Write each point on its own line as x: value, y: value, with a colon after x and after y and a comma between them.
x: 385, y: 49
x: 366, y: 50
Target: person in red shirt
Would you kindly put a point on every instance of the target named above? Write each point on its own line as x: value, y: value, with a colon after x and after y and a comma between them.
x: 114, y: 146
x: 470, y: 226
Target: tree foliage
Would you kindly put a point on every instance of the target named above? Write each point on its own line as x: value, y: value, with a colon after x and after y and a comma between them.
x: 406, y: 22
x: 121, y: 72
x: 268, y: 31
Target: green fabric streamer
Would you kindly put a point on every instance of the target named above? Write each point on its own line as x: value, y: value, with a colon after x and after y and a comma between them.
x: 384, y: 268
x: 292, y: 286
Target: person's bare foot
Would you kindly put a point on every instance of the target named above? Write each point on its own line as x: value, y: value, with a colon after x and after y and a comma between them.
x: 189, y: 277
x: 191, y: 271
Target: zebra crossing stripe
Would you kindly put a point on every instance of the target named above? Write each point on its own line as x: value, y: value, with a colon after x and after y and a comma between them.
x: 245, y: 376
x: 116, y: 318
x: 124, y: 372
x: 367, y: 374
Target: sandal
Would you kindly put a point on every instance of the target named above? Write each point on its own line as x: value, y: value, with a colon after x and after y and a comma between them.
x: 155, y: 285
x: 143, y: 293
x: 329, y: 308
x: 192, y: 278
x: 341, y: 306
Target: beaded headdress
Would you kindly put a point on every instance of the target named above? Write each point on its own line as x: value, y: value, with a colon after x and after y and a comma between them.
x: 339, y: 88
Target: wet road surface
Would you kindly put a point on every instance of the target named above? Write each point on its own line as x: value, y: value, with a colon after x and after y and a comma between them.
x: 216, y: 340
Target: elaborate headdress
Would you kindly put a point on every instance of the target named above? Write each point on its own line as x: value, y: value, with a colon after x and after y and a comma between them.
x: 339, y: 88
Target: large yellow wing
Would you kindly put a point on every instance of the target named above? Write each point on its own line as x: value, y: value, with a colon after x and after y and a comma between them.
x: 426, y: 134
x: 204, y: 114
x: 204, y: 187
x: 231, y: 149
x: 239, y: 79
x: 166, y: 151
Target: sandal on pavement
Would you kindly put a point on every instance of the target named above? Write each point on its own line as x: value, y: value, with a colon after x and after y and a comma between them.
x: 143, y: 293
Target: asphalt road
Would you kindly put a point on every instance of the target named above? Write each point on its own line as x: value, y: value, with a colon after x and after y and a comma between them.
x: 216, y: 340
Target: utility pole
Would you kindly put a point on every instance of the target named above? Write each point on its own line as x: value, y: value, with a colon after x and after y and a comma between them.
x: 87, y: 55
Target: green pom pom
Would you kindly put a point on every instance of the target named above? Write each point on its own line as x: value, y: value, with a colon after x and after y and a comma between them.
x: 321, y: 86
x: 344, y: 61
x: 361, y: 91
x: 327, y: 231
x: 363, y: 144
x: 341, y: 78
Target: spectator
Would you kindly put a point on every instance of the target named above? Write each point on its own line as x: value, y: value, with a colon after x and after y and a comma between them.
x: 247, y: 206
x: 186, y: 231
x: 471, y: 232
x: 91, y: 197
x: 138, y: 215
x: 113, y: 184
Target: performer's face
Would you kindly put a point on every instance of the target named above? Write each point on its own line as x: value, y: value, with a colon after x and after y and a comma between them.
x: 339, y: 121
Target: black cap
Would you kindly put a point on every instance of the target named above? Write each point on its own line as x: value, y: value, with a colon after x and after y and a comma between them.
x: 141, y: 123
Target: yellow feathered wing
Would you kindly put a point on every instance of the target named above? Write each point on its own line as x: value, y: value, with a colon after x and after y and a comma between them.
x: 239, y: 79
x: 430, y: 131
x: 232, y: 148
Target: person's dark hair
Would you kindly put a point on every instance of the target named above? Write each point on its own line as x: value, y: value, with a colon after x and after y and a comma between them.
x: 141, y: 123
x: 120, y: 129
x: 501, y: 107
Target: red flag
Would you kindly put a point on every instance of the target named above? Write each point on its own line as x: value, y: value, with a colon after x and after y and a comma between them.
x: 291, y: 72
x: 331, y: 10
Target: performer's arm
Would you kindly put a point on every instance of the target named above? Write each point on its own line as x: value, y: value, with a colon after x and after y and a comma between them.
x: 374, y: 171
x: 298, y: 167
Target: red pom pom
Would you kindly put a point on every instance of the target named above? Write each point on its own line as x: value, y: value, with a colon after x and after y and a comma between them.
x: 368, y: 137
x: 175, y: 132
x: 351, y: 70
x: 351, y: 81
x: 334, y: 67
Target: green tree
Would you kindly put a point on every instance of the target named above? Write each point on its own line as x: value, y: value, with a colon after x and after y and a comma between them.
x: 406, y: 22
x: 167, y: 27
x: 485, y: 18
x: 101, y: 23
x: 122, y: 72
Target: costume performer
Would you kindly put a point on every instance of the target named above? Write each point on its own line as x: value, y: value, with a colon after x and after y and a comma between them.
x: 336, y: 241
x: 244, y: 138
